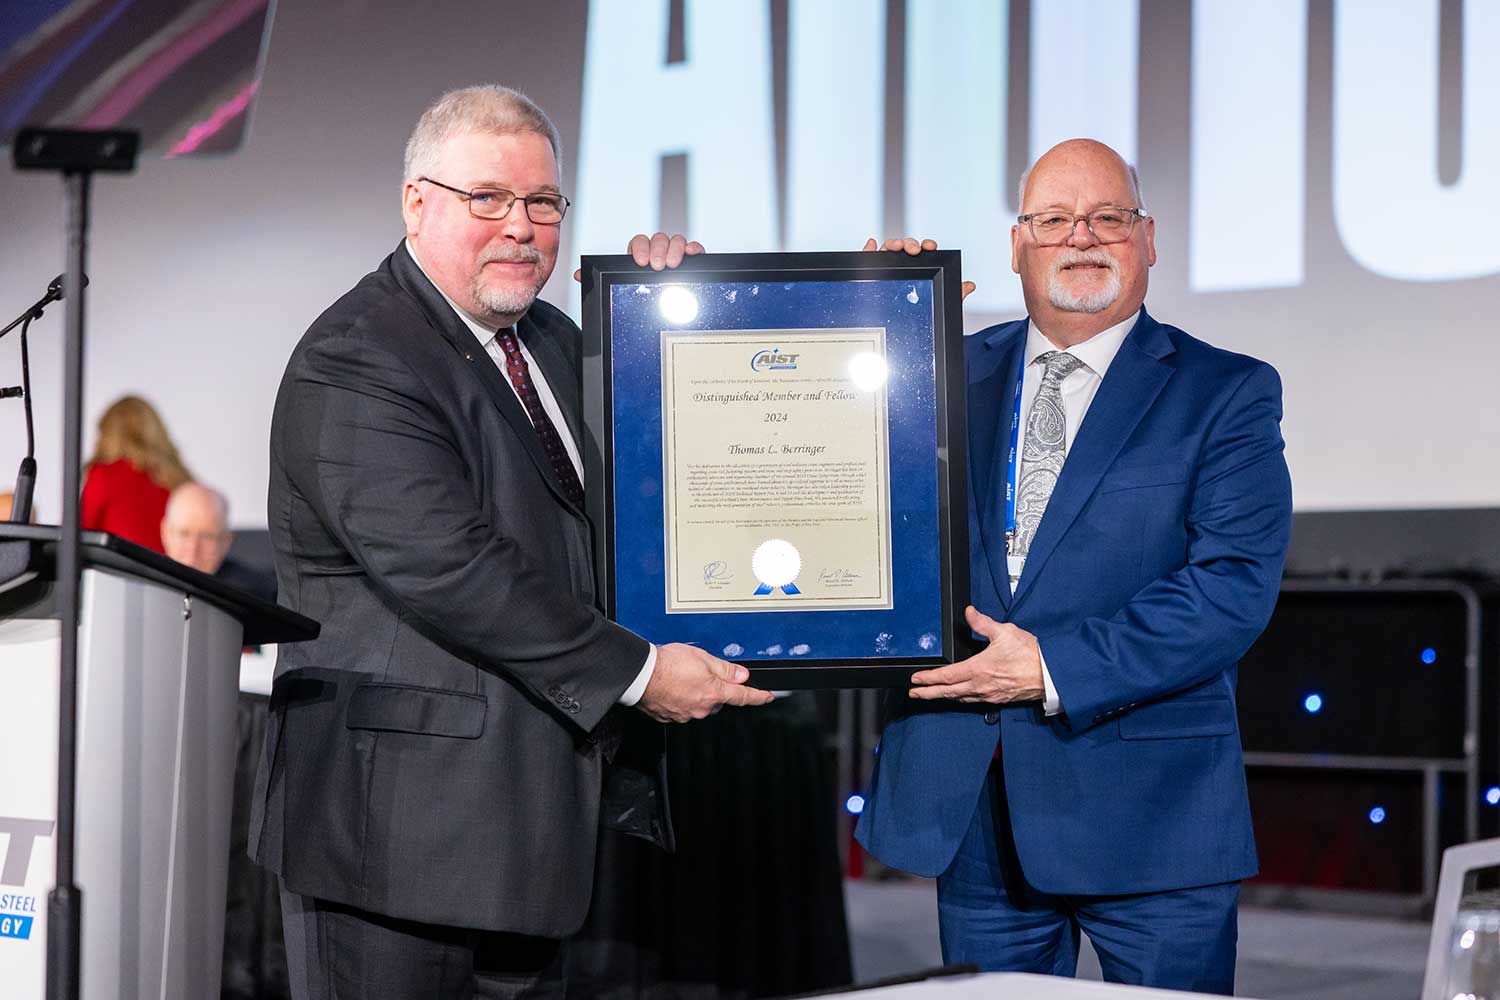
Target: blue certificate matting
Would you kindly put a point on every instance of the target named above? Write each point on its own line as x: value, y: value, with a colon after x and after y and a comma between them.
x: 913, y: 627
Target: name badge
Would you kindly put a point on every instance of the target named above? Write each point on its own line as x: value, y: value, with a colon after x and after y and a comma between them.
x: 1014, y: 565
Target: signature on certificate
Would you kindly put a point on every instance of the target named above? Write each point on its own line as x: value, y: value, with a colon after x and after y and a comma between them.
x: 717, y: 572
x: 836, y: 577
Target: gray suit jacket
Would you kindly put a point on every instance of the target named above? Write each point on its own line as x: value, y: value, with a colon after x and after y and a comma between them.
x: 439, y: 752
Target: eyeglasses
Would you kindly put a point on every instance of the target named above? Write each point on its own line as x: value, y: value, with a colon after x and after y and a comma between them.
x: 543, y: 208
x: 1052, y: 228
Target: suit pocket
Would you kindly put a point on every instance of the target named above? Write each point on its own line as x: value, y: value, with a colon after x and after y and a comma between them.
x: 403, y: 708
x: 1180, y: 717
x: 1141, y: 476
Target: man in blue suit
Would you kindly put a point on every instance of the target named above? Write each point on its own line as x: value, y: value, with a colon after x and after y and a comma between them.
x: 1084, y: 771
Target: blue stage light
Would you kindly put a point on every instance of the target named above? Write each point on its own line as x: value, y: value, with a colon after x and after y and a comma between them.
x: 1377, y: 815
x: 1493, y: 795
x: 1429, y: 656
x: 1313, y: 703
x: 855, y: 804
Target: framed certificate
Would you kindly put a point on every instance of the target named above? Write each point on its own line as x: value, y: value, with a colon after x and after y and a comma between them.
x: 776, y: 469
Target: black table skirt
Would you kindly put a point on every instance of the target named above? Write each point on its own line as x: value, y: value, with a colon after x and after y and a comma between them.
x: 751, y: 905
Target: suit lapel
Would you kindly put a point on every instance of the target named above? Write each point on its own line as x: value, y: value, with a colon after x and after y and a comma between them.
x: 991, y: 398
x: 443, y: 319
x: 1131, y: 385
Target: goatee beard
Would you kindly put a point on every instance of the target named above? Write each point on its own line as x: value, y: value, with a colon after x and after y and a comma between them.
x: 506, y: 301
x: 1095, y: 301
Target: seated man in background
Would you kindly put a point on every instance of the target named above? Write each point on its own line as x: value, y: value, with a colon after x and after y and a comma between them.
x: 195, y: 532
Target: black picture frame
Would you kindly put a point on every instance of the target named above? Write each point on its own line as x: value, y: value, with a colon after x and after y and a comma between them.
x: 608, y: 398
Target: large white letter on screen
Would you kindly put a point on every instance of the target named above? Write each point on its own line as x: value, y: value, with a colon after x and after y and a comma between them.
x: 1084, y: 79
x: 1084, y: 73
x: 956, y: 139
x: 836, y: 123
x: 1389, y: 203
x: 1248, y: 193
x: 715, y: 107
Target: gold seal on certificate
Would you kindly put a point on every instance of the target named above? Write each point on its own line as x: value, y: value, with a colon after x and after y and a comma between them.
x: 775, y: 470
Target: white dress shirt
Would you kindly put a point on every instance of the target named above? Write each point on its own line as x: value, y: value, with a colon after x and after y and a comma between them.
x: 490, y: 341
x: 1078, y: 391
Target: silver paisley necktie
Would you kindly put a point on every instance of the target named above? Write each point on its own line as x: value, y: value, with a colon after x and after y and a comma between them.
x: 1045, y: 448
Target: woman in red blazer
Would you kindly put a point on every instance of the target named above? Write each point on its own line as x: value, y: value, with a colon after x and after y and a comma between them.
x: 133, y: 471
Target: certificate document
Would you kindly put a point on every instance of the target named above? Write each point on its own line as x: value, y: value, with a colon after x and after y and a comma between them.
x: 776, y: 470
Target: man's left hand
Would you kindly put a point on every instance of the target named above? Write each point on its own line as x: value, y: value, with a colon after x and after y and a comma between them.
x: 661, y: 250
x: 657, y: 251
x: 1008, y: 670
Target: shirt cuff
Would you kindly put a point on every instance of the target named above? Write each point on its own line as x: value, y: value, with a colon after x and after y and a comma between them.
x: 1051, y: 703
x: 638, y: 686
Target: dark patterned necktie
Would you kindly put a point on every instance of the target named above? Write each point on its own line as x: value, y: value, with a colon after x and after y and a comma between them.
x: 546, y: 431
x: 1045, y: 448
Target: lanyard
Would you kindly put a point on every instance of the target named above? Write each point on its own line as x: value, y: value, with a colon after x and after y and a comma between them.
x: 1012, y: 466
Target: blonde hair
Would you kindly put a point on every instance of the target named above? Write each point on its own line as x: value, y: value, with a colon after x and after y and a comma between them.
x: 486, y: 108
x: 131, y: 429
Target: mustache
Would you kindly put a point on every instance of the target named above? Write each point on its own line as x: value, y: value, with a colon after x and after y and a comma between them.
x: 512, y: 255
x: 1071, y: 256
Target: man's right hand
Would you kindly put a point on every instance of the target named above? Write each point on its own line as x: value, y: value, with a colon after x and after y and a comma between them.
x: 690, y: 684
x: 908, y: 245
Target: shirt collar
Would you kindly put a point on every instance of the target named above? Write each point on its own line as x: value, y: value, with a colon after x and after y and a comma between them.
x: 1096, y: 353
x: 480, y: 331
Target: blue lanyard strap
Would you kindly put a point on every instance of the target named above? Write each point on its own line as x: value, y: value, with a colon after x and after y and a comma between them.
x: 1013, y: 466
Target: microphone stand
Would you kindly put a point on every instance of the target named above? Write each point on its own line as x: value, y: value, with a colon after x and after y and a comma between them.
x: 20, y: 506
x: 20, y: 512
x: 77, y: 155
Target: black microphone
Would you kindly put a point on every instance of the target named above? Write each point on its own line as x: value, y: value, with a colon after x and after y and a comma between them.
x: 55, y: 292
x: 55, y: 289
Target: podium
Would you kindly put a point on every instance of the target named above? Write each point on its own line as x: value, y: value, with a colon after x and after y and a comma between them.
x: 159, y: 653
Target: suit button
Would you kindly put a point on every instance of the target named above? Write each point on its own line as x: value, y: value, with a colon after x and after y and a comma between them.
x: 991, y: 718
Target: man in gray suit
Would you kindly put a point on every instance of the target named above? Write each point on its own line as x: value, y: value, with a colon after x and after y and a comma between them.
x: 438, y: 760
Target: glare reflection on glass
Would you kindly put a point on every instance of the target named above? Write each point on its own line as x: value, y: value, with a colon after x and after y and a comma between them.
x: 868, y: 371
x: 1467, y: 941
x: 677, y: 305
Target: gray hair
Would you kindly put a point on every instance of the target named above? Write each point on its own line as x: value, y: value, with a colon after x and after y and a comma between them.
x: 486, y: 108
x: 181, y: 495
x: 1135, y: 187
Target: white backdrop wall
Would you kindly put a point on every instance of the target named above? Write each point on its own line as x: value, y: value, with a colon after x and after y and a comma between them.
x: 1320, y: 175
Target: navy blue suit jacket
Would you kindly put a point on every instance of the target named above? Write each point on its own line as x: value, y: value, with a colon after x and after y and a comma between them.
x: 1156, y: 565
